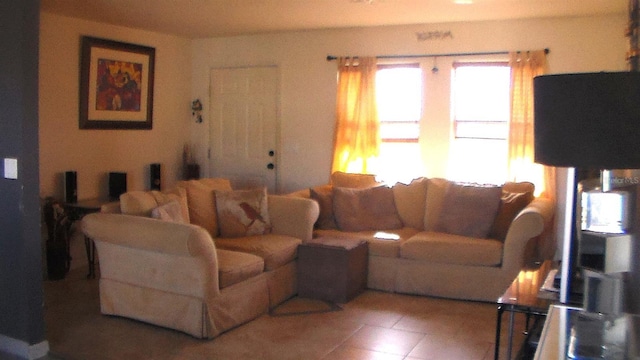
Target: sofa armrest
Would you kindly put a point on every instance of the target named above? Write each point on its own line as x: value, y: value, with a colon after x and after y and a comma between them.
x: 111, y: 208
x: 531, y: 222
x: 151, y: 253
x: 293, y: 216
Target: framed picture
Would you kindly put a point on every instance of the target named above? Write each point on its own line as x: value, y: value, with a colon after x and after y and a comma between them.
x: 116, y: 85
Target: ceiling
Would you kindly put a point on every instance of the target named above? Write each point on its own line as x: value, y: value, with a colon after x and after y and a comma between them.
x: 213, y: 18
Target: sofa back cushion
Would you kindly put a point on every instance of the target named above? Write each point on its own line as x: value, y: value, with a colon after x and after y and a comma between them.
x: 353, y: 181
x: 323, y: 195
x: 202, y: 203
x: 365, y: 209
x: 469, y: 210
x: 436, y: 190
x: 410, y: 202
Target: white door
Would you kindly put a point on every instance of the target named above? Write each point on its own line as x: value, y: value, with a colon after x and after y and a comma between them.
x: 244, y: 118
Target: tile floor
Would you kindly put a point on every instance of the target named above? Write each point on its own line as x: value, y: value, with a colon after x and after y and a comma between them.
x: 375, y: 325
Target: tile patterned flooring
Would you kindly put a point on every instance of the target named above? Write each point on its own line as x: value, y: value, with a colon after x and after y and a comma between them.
x: 375, y: 325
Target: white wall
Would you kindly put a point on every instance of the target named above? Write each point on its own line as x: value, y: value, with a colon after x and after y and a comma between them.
x: 93, y: 153
x: 307, y: 95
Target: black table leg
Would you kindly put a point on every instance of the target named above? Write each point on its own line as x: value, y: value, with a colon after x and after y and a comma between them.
x: 90, y: 247
x: 498, y: 326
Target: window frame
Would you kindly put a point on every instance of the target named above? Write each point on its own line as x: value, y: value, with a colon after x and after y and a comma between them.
x: 456, y: 122
x: 415, y: 65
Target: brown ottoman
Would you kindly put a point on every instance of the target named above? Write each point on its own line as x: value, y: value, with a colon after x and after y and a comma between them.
x: 332, y: 269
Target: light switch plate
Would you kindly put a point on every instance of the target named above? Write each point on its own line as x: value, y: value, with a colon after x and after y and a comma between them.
x: 10, y: 168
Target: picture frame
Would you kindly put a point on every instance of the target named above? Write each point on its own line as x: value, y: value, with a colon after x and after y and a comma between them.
x: 116, y: 85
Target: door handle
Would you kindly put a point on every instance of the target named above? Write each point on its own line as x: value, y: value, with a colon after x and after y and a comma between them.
x: 270, y: 166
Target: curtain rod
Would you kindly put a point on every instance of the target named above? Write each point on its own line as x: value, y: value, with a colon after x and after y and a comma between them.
x: 332, y: 57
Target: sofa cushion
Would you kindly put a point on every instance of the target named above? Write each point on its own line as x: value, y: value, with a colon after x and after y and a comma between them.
x: 381, y: 243
x: 410, y: 202
x: 202, y: 203
x: 139, y: 203
x: 511, y: 204
x: 452, y: 249
x: 234, y: 267
x: 436, y: 190
x: 171, y: 211
x: 275, y: 250
x: 242, y: 212
x: 365, y: 209
x: 469, y: 210
x: 353, y: 181
x: 323, y: 195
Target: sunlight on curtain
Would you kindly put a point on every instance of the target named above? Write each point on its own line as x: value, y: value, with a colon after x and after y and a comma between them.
x: 357, y: 134
x: 524, y: 67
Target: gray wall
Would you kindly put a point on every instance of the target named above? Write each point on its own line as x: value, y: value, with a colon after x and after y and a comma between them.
x: 21, y: 298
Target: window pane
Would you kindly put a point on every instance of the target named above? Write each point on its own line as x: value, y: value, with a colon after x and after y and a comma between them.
x: 481, y: 130
x: 399, y: 94
x: 399, y: 131
x: 481, y: 161
x: 481, y: 93
x: 399, y: 161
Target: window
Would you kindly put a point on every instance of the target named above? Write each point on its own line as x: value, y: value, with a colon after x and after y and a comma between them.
x: 480, y: 112
x: 399, y: 99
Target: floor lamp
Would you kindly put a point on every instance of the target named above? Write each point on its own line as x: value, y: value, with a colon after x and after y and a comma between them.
x: 588, y: 120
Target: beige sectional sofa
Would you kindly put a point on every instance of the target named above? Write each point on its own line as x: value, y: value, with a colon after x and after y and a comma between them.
x: 164, y: 257
x: 436, y: 237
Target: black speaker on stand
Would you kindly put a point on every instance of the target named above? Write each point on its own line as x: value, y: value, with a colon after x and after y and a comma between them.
x: 117, y: 185
x: 70, y: 187
x: 155, y: 176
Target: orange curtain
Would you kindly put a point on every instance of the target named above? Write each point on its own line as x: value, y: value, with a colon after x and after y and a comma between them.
x: 357, y: 132
x: 524, y: 67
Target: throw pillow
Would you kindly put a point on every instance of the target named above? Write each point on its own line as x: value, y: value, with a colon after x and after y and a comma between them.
x: 178, y: 194
x: 323, y: 195
x: 365, y: 209
x: 171, y: 211
x: 469, y: 210
x: 510, y: 206
x: 354, y: 181
x: 242, y: 212
x: 410, y: 202
x: 139, y: 203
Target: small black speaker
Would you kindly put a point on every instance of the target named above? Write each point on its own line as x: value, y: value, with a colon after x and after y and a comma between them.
x: 155, y: 177
x: 117, y: 185
x: 70, y: 186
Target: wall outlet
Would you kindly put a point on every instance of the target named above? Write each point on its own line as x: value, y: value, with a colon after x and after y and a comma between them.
x: 10, y: 168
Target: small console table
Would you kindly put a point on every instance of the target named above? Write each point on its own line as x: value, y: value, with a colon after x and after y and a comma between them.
x: 523, y: 296
x: 77, y: 210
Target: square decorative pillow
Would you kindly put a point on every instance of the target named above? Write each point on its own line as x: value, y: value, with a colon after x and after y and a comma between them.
x: 171, y: 211
x: 365, y: 209
x: 511, y: 204
x: 177, y: 194
x: 469, y: 210
x: 242, y: 212
x: 323, y: 195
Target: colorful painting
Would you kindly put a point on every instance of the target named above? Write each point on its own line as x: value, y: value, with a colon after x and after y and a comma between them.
x: 116, y: 82
x: 118, y: 85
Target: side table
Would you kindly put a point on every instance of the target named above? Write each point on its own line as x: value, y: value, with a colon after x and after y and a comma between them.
x: 332, y: 269
x: 77, y: 210
x: 523, y: 296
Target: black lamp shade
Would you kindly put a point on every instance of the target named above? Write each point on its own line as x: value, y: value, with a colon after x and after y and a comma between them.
x: 589, y: 120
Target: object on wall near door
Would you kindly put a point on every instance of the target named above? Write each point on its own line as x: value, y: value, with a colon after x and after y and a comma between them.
x: 196, y: 110
x: 116, y: 85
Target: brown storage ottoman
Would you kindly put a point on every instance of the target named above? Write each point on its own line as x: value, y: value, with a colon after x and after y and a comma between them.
x: 332, y: 269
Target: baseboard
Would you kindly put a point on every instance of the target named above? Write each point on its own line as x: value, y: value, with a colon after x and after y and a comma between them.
x: 22, y: 349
